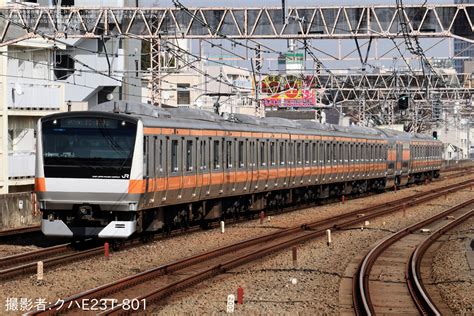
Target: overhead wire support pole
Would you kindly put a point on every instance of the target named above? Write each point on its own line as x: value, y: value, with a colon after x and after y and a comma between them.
x: 155, y: 66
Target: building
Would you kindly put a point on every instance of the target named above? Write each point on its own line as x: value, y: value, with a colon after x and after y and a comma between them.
x: 206, y: 85
x: 40, y: 77
x: 464, y: 51
x: 28, y: 92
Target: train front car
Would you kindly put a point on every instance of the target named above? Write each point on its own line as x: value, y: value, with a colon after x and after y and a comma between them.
x: 88, y: 171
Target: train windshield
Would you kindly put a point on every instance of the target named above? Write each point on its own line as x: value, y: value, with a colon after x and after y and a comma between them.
x: 88, y: 147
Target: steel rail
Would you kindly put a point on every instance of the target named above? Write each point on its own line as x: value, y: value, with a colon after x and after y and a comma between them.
x: 361, y: 292
x: 309, y: 231
x: 19, y: 231
x: 49, y: 261
x: 420, y: 296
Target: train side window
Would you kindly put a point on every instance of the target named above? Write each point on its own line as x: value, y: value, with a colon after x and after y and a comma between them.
x: 174, y: 155
x: 281, y: 156
x: 160, y: 155
x: 272, y: 153
x: 240, y: 154
x: 261, y: 146
x: 298, y: 153
x: 189, y: 155
x: 341, y: 153
x: 327, y: 156
x: 251, y: 153
x: 314, y: 154
x: 229, y: 154
x: 215, y: 155
x: 291, y: 152
x: 351, y: 152
x: 347, y: 152
x: 306, y: 153
x: 204, y: 155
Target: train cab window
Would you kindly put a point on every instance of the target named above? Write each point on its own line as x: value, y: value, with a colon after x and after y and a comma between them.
x: 307, y: 158
x: 281, y: 156
x: 272, y: 153
x: 215, y: 155
x: 240, y: 154
x: 174, y: 156
x: 189, y: 155
x: 228, y: 155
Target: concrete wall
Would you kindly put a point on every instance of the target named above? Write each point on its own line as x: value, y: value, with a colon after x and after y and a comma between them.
x: 16, y: 211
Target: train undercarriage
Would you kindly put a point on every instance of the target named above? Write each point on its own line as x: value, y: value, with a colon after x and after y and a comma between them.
x: 203, y: 213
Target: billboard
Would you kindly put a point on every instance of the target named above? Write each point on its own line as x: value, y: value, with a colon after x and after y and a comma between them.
x: 288, y: 91
x: 292, y: 98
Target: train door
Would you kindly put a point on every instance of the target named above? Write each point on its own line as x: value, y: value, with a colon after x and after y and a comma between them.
x: 199, y: 154
x: 280, y: 166
x: 262, y: 164
x: 405, y: 157
x: 299, y: 169
x: 291, y: 162
x: 217, y: 177
x: 148, y: 170
x: 159, y: 145
x: 320, y: 160
x: 206, y: 167
x: 252, y: 156
x: 306, y: 161
x: 230, y: 165
x: 246, y: 167
x: 314, y: 161
x: 240, y: 174
x: 272, y: 163
x: 189, y: 182
x: 333, y: 160
x: 325, y: 161
x: 174, y: 170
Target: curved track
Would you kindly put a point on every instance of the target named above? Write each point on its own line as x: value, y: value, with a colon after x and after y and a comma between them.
x: 379, y: 285
x: 421, y: 297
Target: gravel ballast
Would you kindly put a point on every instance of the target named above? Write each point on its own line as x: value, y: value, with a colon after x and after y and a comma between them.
x: 267, y: 283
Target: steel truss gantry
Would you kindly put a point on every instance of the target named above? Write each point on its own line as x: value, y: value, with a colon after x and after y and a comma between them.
x: 388, y: 86
x: 372, y: 92
x: 365, y: 21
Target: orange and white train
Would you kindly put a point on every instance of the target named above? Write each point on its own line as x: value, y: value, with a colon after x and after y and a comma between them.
x: 125, y: 168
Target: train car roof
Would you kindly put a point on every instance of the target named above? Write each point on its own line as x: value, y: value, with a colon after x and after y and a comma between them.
x: 180, y: 117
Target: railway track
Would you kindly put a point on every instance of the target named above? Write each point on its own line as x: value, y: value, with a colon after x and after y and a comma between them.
x: 26, y: 263
x: 162, y: 281
x: 19, y: 231
x: 453, y: 172
x: 388, y: 278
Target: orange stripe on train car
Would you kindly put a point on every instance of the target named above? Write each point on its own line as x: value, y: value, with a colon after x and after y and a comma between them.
x: 136, y: 186
x: 40, y: 185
